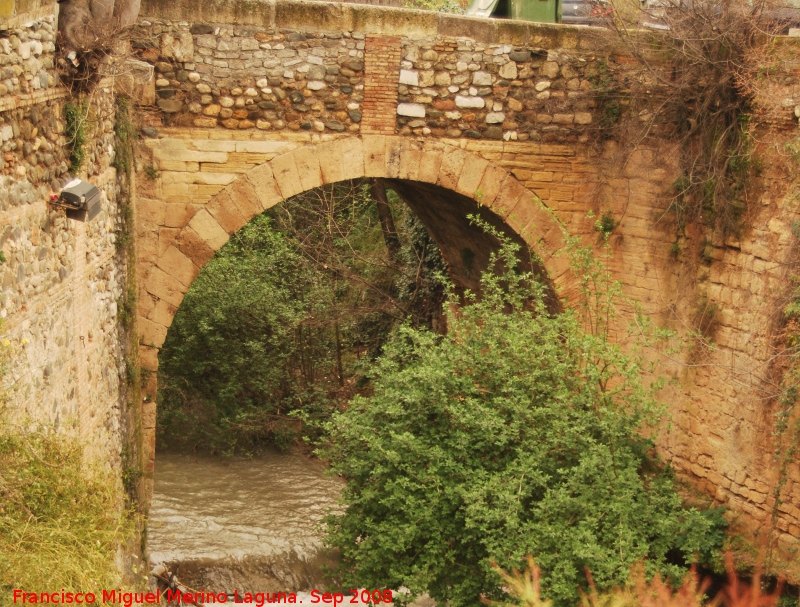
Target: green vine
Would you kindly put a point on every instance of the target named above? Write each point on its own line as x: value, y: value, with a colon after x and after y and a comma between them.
x: 124, y: 136
x: 787, y: 422
x: 75, y: 117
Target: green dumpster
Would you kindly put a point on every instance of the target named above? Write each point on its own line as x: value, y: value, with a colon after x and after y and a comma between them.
x: 545, y: 11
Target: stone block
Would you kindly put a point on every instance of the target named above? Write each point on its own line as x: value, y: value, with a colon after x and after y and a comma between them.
x: 178, y: 214
x: 209, y: 229
x: 508, y: 71
x: 375, y: 156
x: 471, y: 175
x: 284, y: 169
x: 226, y: 212
x: 175, y: 263
x: 186, y: 155
x: 162, y: 314
x: 469, y: 102
x: 450, y: 170
x: 352, y: 151
x: 212, y: 145
x: 263, y: 147
x: 177, y: 165
x: 177, y: 46
x: 410, y: 162
x: 308, y: 168
x: 482, y: 79
x: 409, y: 77
x: 330, y: 162
x: 413, y: 110
x: 395, y: 148
x: 163, y: 286
x: 491, y: 184
x: 150, y: 212
x: 429, y: 166
x: 244, y: 196
x: 264, y: 186
x: 166, y: 237
x: 194, y: 247
x: 148, y: 358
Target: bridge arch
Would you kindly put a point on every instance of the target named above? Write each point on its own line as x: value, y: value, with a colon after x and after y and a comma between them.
x: 437, y: 165
x: 434, y: 168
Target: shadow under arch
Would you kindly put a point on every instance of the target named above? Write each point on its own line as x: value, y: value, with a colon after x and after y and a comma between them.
x: 441, y: 183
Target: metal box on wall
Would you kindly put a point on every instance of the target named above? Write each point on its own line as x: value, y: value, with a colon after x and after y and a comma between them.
x: 81, y: 200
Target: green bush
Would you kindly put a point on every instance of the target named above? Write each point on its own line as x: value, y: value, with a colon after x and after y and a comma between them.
x: 515, y: 434
x: 229, y: 356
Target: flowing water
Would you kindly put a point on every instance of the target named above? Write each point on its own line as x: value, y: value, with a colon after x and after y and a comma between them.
x: 242, y: 524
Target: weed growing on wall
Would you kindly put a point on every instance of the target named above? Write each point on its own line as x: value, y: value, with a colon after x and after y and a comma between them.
x: 75, y: 130
x: 702, y: 68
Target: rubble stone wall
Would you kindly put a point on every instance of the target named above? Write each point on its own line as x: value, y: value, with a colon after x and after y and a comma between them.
x: 60, y: 279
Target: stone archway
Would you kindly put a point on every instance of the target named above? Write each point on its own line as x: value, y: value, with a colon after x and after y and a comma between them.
x: 432, y: 166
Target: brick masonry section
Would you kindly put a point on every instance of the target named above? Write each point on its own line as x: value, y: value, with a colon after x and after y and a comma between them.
x: 382, y: 66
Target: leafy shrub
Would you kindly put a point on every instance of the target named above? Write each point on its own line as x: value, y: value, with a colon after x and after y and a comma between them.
x: 515, y: 434
x: 228, y: 354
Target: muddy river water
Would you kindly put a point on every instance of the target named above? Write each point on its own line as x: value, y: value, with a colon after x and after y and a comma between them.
x: 242, y: 524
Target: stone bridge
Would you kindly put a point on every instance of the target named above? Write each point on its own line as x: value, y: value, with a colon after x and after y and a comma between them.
x: 254, y: 102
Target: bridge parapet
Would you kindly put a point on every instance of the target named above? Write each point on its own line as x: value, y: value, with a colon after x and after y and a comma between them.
x: 325, y: 67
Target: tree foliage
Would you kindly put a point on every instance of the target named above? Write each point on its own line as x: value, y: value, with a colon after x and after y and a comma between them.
x: 230, y: 349
x: 274, y: 329
x: 515, y: 434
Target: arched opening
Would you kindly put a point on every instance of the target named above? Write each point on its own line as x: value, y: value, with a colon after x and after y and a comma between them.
x: 443, y: 187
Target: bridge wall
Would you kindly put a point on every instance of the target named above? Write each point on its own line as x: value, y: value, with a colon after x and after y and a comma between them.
x: 60, y: 280
x: 294, y: 80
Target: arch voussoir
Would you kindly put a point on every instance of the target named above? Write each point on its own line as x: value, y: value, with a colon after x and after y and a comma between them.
x: 287, y: 176
x: 177, y: 264
x: 246, y: 199
x: 375, y: 156
x: 513, y: 193
x: 191, y: 244
x: 209, y: 229
x: 491, y: 185
x: 266, y: 188
x: 308, y: 168
x: 471, y: 174
x: 411, y: 163
x: 450, y: 168
x: 224, y: 209
x: 340, y: 159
